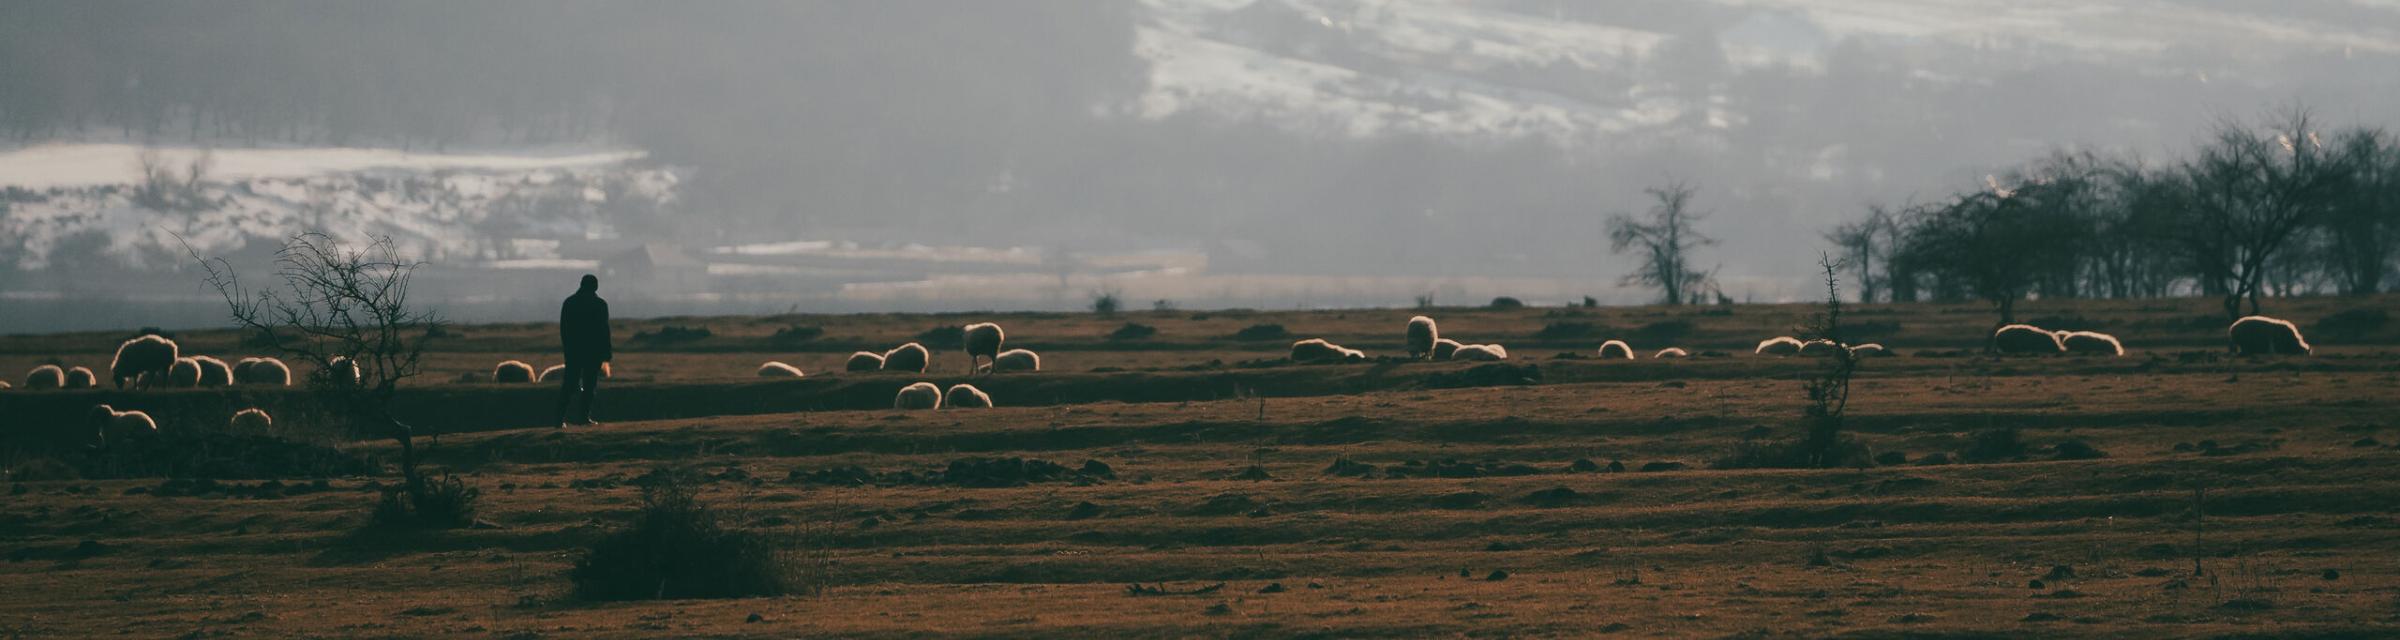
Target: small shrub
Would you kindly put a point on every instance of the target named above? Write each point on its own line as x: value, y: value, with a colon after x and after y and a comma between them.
x: 446, y: 503
x: 1425, y: 301
x: 1262, y: 332
x: 677, y: 547
x: 1162, y: 305
x: 1506, y: 302
x: 1991, y: 445
x: 1106, y: 303
x: 944, y: 338
x: 1591, y: 302
x: 1133, y: 331
x: 796, y: 334
x: 673, y: 333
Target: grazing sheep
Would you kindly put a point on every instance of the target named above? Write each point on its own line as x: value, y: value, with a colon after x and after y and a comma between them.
x: 1444, y: 348
x: 864, y: 361
x: 2026, y: 338
x: 342, y: 369
x: 1778, y: 346
x: 983, y: 341
x: 1353, y: 355
x: 1869, y: 350
x: 551, y: 374
x: 1480, y: 353
x: 185, y: 374
x: 2091, y: 342
x: 1017, y: 360
x: 251, y: 419
x: 214, y: 372
x: 81, y: 378
x: 1670, y: 352
x: 1615, y: 350
x: 513, y: 371
x: 911, y: 357
x: 2261, y: 335
x: 1819, y: 348
x: 922, y: 395
x: 3, y: 385
x: 779, y: 370
x: 1318, y: 350
x: 149, y: 353
x: 266, y: 371
x: 1422, y: 334
x: 112, y: 426
x: 966, y: 396
x: 47, y: 376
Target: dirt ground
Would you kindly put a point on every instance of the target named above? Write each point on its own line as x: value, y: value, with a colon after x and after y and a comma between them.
x: 2171, y: 492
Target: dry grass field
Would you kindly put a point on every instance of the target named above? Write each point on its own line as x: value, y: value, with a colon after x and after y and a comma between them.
x: 1206, y: 488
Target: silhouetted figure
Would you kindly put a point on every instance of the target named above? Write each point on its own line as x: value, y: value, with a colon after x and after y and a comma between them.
x: 583, y: 334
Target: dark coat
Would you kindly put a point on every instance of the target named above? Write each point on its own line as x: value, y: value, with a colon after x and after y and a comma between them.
x: 583, y: 330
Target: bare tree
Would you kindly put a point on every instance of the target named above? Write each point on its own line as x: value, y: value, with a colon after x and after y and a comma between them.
x: 1867, y: 243
x: 2248, y: 192
x: 1666, y: 240
x: 340, y: 308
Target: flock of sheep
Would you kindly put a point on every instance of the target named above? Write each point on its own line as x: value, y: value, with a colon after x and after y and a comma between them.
x: 153, y: 360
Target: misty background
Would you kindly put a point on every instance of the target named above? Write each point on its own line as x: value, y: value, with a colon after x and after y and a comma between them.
x: 746, y: 157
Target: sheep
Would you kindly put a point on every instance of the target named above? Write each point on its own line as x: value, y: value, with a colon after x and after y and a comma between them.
x: 1778, y: 346
x: 551, y: 374
x: 2026, y: 339
x: 911, y: 357
x: 81, y: 378
x: 922, y: 395
x: 184, y: 374
x: 1017, y: 360
x: 864, y: 361
x: 214, y: 372
x: 252, y: 420
x: 1318, y: 350
x: 778, y: 370
x: 1869, y: 350
x: 148, y: 353
x: 342, y: 370
x: 112, y: 426
x: 1422, y: 335
x: 2091, y: 342
x: 966, y: 396
x: 266, y: 371
x: 1819, y: 348
x: 1616, y: 349
x: 1670, y: 352
x: 983, y: 340
x: 2261, y: 335
x: 3, y: 385
x: 1480, y: 353
x: 47, y: 376
x: 513, y: 371
x: 1353, y: 355
x: 1444, y: 348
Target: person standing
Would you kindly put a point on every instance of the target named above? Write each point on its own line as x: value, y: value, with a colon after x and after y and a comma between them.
x: 583, y: 335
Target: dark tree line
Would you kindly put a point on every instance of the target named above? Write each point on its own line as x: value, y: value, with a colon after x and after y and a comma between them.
x: 2277, y: 207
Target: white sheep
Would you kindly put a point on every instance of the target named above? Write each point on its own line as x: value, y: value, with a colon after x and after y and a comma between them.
x: 1444, y: 348
x: 2026, y: 339
x: 266, y: 371
x: 342, y: 370
x: 148, y: 353
x: 864, y: 361
x: 514, y: 371
x: 81, y: 378
x: 1318, y: 350
x: 1869, y: 350
x: 1670, y: 352
x: 1480, y: 353
x: 111, y: 426
x: 552, y: 373
x: 1017, y: 360
x: 252, y: 419
x: 48, y: 376
x: 911, y: 357
x: 966, y: 396
x: 922, y: 395
x: 774, y: 369
x: 2261, y: 335
x: 1422, y: 335
x: 2091, y: 342
x: 983, y: 340
x: 214, y: 372
x: 1778, y: 346
x: 184, y: 374
x: 1819, y: 348
x: 1616, y: 349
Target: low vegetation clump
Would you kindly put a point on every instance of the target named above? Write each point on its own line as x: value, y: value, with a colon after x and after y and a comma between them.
x: 1133, y: 331
x: 677, y: 547
x: 444, y: 503
x: 1505, y: 302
